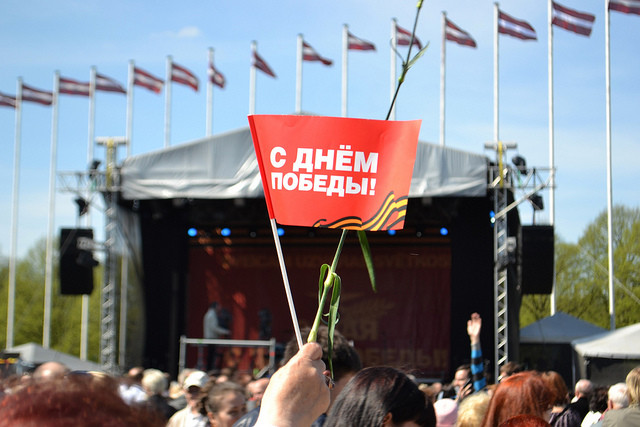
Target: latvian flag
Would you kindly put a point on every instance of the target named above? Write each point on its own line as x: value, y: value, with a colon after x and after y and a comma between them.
x: 108, y: 84
x: 7, y: 101
x: 354, y: 43
x: 455, y: 34
x: 215, y: 76
x: 183, y: 76
x: 572, y: 20
x: 262, y: 65
x: 309, y: 54
x: 403, y: 38
x: 73, y: 87
x: 625, y: 6
x: 35, y: 95
x: 147, y: 80
x: 515, y: 27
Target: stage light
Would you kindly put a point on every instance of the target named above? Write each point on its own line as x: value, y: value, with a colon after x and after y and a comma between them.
x: 492, y: 217
x: 280, y: 231
x: 520, y: 163
x: 83, y: 205
x: 225, y: 232
x: 444, y: 231
x: 536, y: 201
x: 391, y: 232
x: 192, y: 232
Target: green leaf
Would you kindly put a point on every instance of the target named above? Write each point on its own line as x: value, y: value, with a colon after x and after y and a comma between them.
x: 368, y: 260
x: 333, y: 316
x: 418, y: 55
x: 323, y: 274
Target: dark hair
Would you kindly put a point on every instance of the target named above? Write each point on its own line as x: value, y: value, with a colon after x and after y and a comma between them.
x: 345, y: 358
x: 375, y: 392
x: 218, y: 391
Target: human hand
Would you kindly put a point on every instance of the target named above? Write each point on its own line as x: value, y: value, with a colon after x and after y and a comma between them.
x: 474, y: 325
x: 297, y: 393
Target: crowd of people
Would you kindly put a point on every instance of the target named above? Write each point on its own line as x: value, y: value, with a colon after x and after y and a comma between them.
x: 302, y: 392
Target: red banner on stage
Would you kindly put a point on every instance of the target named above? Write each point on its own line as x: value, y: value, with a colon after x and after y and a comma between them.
x: 335, y: 172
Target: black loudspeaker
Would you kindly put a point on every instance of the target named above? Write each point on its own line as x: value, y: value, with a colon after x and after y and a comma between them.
x: 537, y: 259
x: 76, y: 261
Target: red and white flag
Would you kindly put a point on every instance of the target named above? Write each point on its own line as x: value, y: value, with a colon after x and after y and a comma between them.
x: 108, y: 84
x: 355, y: 43
x: 35, y: 95
x: 7, y: 100
x: 147, y: 80
x: 625, y: 6
x: 215, y: 76
x: 455, y: 34
x: 309, y: 54
x: 403, y: 38
x: 515, y: 27
x: 572, y: 20
x: 262, y: 65
x: 73, y: 87
x: 183, y: 76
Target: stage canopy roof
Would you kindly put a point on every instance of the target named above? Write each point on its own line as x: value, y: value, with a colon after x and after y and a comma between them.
x: 623, y: 343
x: 225, y: 167
x: 561, y: 328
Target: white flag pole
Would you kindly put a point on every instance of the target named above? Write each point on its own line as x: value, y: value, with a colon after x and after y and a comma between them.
x: 299, y: 75
x: 48, y: 277
x: 496, y: 136
x: 209, y: 120
x: 287, y: 288
x: 551, y: 146
x: 442, y: 75
x: 92, y: 114
x: 11, y: 297
x: 612, y: 305
x: 345, y: 60
x: 394, y: 46
x: 130, y: 85
x: 252, y: 79
x: 167, y: 104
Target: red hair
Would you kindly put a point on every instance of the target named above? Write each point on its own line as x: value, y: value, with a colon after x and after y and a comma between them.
x: 521, y: 393
x: 558, y: 387
x: 525, y: 421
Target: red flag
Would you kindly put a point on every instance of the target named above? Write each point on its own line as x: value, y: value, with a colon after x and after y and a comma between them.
x: 7, y: 100
x: 147, y: 80
x: 183, y: 76
x: 572, y: 20
x: 404, y: 37
x: 35, y: 95
x: 215, y: 76
x: 108, y: 84
x: 455, y: 34
x: 354, y: 43
x: 625, y: 6
x: 309, y: 54
x: 515, y: 27
x: 335, y: 172
x: 73, y: 87
x: 261, y: 65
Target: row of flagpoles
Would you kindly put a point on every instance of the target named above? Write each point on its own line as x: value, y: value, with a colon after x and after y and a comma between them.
x: 561, y: 16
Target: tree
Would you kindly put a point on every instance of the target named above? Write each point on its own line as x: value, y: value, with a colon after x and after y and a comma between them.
x: 582, y: 274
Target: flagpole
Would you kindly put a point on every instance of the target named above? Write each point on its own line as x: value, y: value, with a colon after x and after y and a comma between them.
x: 130, y: 84
x: 551, y: 147
x: 496, y: 136
x: 299, y: 75
x: 209, y: 121
x: 345, y: 59
x: 46, y: 332
x: 612, y: 305
x: 442, y: 76
x: 252, y: 79
x: 394, y: 46
x: 14, y: 217
x: 167, y: 104
x: 92, y: 114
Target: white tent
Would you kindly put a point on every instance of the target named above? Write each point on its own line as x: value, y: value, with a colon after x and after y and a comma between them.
x: 35, y: 354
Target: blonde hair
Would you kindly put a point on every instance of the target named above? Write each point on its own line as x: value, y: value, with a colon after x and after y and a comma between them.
x: 633, y: 385
x: 472, y: 409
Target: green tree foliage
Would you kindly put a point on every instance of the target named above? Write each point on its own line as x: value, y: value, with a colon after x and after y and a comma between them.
x: 582, y: 277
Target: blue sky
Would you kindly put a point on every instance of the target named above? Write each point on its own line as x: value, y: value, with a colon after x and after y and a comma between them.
x: 39, y: 37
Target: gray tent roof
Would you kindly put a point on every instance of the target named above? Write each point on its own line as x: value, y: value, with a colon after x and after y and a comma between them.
x: 36, y: 354
x: 623, y: 343
x: 561, y: 328
x: 225, y: 167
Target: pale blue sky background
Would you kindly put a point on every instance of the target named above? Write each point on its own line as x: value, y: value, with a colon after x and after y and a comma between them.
x: 39, y: 37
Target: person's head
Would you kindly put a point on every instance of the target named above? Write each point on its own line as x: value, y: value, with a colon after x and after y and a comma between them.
x: 135, y: 374
x: 76, y: 399
x: 462, y: 375
x: 256, y: 389
x: 446, y: 412
x: 214, y: 306
x: 521, y: 393
x: 193, y: 386
x: 472, y: 409
x: 509, y: 369
x: 558, y: 387
x: 618, y: 396
x: 584, y: 388
x: 525, y: 421
x: 599, y: 398
x: 380, y: 396
x: 154, y: 381
x: 225, y: 404
x: 633, y: 385
x: 50, y: 370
